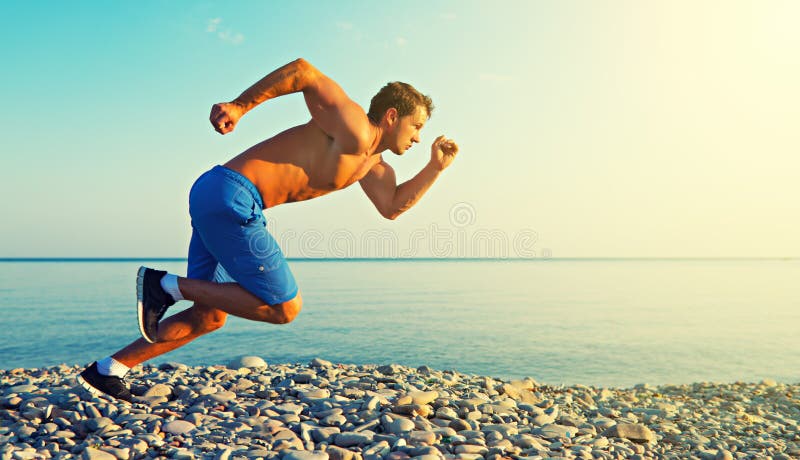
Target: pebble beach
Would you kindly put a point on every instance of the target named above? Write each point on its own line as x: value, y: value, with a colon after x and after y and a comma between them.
x: 320, y: 410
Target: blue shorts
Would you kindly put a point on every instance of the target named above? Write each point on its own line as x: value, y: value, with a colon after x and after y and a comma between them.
x: 230, y: 241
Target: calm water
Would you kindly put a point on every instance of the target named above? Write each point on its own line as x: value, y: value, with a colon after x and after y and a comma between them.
x: 596, y: 322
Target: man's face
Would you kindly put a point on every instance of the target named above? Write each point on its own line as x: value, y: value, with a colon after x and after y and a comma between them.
x: 406, y: 132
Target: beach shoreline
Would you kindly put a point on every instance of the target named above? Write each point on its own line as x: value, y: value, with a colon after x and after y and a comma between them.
x: 330, y: 411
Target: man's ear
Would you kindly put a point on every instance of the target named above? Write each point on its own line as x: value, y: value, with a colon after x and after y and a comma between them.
x: 391, y: 116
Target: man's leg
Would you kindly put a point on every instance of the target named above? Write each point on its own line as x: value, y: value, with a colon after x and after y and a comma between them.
x: 174, y: 332
x: 237, y: 301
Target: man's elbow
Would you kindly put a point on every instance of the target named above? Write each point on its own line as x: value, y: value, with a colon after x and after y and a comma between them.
x: 306, y: 67
x: 390, y: 214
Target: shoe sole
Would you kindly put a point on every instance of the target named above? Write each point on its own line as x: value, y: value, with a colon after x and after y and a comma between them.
x: 96, y: 392
x: 140, y: 303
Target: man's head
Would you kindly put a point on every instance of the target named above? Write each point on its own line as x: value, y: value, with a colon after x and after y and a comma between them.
x: 402, y: 111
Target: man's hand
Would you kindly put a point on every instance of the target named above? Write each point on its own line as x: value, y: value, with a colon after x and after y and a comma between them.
x: 225, y: 115
x: 443, y: 152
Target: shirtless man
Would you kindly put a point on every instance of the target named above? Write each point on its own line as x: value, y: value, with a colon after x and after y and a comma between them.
x: 235, y: 266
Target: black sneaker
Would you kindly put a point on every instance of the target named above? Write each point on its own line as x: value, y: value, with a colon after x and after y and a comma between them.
x: 152, y: 302
x: 97, y: 384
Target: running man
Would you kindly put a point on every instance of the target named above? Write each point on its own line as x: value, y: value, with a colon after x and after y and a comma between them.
x: 235, y: 266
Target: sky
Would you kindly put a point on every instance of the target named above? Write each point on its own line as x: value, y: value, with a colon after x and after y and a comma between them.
x: 586, y: 129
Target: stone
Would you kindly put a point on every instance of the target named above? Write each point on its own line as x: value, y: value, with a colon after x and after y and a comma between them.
x: 94, y: 424
x: 288, y: 408
x: 90, y: 453
x: 632, y: 431
x: 470, y: 449
x: 121, y: 454
x: 446, y: 413
x: 459, y: 425
x: 558, y: 431
x: 178, y: 427
x: 222, y: 396
x: 324, y: 433
x: 400, y: 426
x: 337, y: 453
x: 390, y: 369
x: 350, y: 439
x: 422, y: 437
x: 519, y: 392
x: 249, y: 362
x: 423, y: 397
x: 304, y: 455
x: 723, y: 454
x: 158, y: 390
x: 315, y: 394
x: 320, y: 363
x: 333, y: 420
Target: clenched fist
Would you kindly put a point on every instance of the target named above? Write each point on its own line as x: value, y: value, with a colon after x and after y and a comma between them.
x: 443, y: 152
x: 225, y: 115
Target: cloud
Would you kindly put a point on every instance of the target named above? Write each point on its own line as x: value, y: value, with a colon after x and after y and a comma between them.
x: 495, y: 77
x: 400, y: 41
x: 213, y: 24
x: 344, y: 25
x: 226, y: 35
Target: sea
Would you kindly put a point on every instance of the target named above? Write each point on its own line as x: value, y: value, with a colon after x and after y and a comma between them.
x: 597, y: 322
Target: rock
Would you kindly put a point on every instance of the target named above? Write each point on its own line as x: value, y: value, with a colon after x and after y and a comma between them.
x: 90, y: 453
x: 222, y: 396
x: 446, y: 413
x: 94, y: 424
x: 400, y: 426
x: 333, y: 420
x: 158, y: 390
x: 518, y: 394
x: 459, y: 425
x: 304, y: 455
x: 337, y: 453
x: 177, y: 427
x: 350, y: 439
x: 249, y: 362
x: 558, y: 431
x: 390, y: 369
x: 21, y: 389
x: 470, y: 449
x: 632, y: 431
x: 423, y: 397
x: 422, y: 437
x: 723, y: 454
x: 324, y: 433
x: 121, y: 454
x: 321, y: 363
x: 315, y: 394
x: 288, y: 408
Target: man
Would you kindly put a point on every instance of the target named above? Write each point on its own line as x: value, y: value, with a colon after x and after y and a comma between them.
x: 235, y: 266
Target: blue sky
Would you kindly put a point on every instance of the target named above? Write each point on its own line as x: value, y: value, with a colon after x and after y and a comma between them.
x: 617, y: 129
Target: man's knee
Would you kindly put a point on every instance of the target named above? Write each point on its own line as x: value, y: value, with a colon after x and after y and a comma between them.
x: 287, y: 311
x: 209, y: 319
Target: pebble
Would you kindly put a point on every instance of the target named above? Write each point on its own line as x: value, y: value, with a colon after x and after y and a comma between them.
x: 179, y: 427
x: 634, y: 432
x: 326, y: 411
x: 249, y: 362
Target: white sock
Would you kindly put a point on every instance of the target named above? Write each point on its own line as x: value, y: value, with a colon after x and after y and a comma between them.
x: 169, y: 283
x: 112, y: 367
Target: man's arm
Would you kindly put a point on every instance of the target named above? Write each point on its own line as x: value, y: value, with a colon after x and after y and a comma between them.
x: 331, y: 109
x: 391, y: 200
